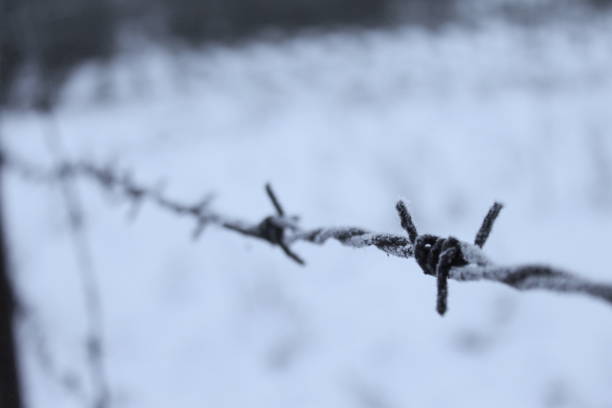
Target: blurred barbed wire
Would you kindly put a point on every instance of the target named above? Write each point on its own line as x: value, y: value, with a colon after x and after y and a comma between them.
x: 94, y: 337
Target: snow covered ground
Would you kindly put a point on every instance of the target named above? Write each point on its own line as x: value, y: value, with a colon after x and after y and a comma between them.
x: 342, y: 125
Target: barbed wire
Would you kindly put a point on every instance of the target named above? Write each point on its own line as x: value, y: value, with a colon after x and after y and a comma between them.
x: 443, y: 258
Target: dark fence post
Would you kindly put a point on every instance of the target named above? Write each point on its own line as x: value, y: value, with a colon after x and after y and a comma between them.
x: 10, y: 390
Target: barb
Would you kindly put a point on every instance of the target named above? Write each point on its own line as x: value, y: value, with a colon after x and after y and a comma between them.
x: 273, y: 228
x: 436, y: 256
x: 444, y: 258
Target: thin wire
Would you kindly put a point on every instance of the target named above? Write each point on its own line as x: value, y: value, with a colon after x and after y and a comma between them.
x: 87, y: 274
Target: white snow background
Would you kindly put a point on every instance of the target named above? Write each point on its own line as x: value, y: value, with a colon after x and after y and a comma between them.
x: 343, y: 125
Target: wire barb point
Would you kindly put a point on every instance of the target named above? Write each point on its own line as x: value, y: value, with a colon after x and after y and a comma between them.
x: 277, y: 206
x: 487, y: 224
x: 406, y: 221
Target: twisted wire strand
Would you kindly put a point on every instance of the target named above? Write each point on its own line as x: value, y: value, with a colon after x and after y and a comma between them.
x: 463, y: 261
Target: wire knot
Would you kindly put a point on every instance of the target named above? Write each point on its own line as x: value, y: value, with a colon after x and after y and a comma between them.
x: 429, y: 249
x: 273, y: 228
x: 436, y: 256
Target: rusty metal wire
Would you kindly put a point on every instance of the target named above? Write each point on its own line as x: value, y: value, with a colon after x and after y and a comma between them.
x: 443, y: 258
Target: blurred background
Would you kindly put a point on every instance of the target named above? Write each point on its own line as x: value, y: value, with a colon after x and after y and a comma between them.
x: 345, y: 106
x: 44, y: 42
